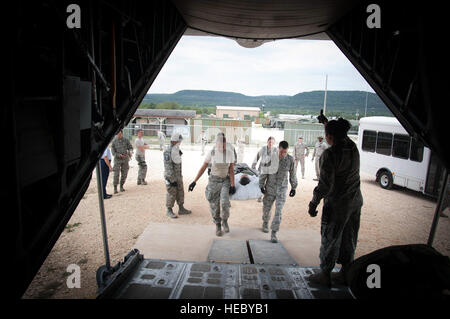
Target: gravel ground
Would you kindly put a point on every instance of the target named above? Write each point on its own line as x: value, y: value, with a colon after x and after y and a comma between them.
x: 389, y: 217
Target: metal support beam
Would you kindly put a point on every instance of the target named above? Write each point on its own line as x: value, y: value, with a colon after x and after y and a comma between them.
x: 102, y: 215
x: 438, y: 209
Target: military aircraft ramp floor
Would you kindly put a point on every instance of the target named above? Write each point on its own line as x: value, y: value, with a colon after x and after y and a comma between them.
x: 231, y: 267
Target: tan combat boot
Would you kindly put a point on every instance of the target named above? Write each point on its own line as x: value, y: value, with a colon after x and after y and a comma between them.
x: 183, y: 211
x: 265, y: 227
x: 273, y: 237
x: 219, y: 230
x: 225, y: 226
x: 170, y: 213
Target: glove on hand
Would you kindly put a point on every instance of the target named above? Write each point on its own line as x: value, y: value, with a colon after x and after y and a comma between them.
x: 292, y: 193
x: 191, y: 186
x: 322, y: 118
x: 173, y: 184
x: 263, y: 190
x: 232, y: 190
x: 312, y: 209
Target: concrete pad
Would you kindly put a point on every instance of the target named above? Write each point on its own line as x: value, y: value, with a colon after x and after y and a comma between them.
x: 193, y: 242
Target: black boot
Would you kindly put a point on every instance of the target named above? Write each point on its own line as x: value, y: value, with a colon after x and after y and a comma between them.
x: 320, y: 278
x: 338, y: 278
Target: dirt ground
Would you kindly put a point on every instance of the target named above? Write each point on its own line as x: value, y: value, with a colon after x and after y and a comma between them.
x: 389, y: 217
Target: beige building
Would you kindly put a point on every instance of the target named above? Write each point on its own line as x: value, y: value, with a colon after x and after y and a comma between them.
x: 237, y: 112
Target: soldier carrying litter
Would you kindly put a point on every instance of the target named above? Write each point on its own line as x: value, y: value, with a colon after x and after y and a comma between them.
x: 174, y: 177
x: 221, y: 182
x: 299, y: 154
x: 274, y: 187
x: 266, y: 154
x: 122, y: 151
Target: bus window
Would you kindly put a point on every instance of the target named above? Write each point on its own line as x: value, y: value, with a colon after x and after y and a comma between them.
x: 369, y: 141
x: 384, y: 143
x: 401, y: 146
x: 416, y: 150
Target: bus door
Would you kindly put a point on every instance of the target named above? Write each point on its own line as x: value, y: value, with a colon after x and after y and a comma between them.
x: 435, y: 176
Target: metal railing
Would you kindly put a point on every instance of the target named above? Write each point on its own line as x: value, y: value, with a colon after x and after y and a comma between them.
x: 251, y: 136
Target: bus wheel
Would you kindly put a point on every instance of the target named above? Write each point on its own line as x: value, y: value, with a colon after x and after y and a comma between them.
x: 385, y: 180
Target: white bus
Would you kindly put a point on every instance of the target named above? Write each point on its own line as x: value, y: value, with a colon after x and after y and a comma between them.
x: 392, y: 156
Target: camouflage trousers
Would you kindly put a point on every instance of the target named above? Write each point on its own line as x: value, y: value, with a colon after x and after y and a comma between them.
x: 339, y: 232
x: 218, y: 195
x: 317, y: 164
x: 161, y: 145
x: 120, y: 168
x: 300, y: 159
x: 142, y: 172
x: 279, y: 199
x: 175, y: 193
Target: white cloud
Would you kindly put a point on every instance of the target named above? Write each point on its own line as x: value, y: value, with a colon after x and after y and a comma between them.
x: 284, y: 67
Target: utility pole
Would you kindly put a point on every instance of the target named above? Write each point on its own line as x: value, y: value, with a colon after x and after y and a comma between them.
x: 325, y: 97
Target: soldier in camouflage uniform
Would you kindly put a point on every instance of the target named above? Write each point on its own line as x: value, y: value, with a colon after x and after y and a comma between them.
x: 161, y: 139
x: 299, y: 154
x: 141, y: 146
x: 221, y: 182
x: 203, y: 140
x: 274, y: 187
x: 319, y: 148
x: 174, y: 177
x: 266, y: 155
x: 339, y: 186
x: 122, y: 150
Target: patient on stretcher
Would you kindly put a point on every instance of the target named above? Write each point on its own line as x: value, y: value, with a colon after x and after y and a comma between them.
x: 247, y: 183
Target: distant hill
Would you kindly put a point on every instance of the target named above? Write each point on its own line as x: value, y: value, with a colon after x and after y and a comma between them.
x: 305, y: 102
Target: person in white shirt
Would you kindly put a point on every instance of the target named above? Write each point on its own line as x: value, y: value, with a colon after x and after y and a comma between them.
x: 221, y: 182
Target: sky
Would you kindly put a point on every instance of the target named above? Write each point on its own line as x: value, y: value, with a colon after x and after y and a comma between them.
x: 282, y: 67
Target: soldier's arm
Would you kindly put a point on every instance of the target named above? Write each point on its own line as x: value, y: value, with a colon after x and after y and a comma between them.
x: 108, y: 163
x: 113, y: 149
x: 168, y: 168
x: 307, y: 151
x: 262, y: 180
x: 231, y: 173
x: 255, y: 161
x: 201, y: 171
x: 293, y: 176
x: 326, y: 179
